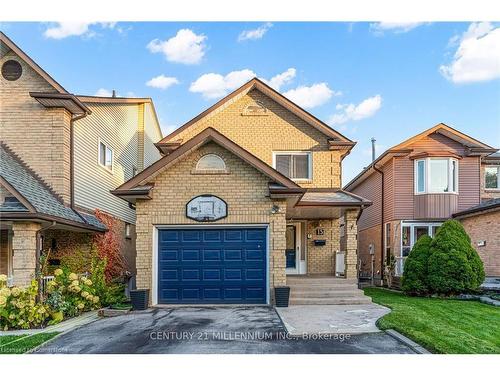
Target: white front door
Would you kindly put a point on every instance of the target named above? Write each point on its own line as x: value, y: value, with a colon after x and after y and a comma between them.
x: 295, y: 259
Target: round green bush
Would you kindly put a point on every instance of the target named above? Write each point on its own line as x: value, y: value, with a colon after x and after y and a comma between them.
x: 415, y: 277
x: 454, y: 265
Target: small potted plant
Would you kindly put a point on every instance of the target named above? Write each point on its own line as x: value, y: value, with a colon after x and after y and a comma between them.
x: 282, y: 295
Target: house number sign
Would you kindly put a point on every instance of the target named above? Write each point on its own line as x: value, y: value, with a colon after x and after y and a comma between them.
x: 206, y: 208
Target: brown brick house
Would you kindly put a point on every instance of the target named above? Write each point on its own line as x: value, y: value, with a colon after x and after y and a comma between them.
x: 60, y: 156
x: 415, y: 186
x: 246, y: 195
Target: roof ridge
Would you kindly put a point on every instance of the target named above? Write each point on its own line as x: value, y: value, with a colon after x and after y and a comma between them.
x: 30, y: 171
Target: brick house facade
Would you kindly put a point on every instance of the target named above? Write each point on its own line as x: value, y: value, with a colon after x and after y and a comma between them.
x: 301, y: 216
x: 49, y: 151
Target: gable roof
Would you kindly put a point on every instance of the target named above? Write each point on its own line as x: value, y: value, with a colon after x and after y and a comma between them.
x: 89, y: 99
x: 35, y: 199
x: 5, y: 41
x: 257, y: 84
x: 137, y: 185
x: 404, y: 148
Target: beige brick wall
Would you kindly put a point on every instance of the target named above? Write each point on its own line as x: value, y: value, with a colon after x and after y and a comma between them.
x: 320, y: 259
x: 351, y: 241
x: 486, y: 227
x: 40, y: 136
x: 24, y: 251
x: 244, y: 190
x: 280, y: 130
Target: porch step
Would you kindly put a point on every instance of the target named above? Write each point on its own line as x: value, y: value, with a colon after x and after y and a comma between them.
x: 354, y: 300
x: 325, y: 291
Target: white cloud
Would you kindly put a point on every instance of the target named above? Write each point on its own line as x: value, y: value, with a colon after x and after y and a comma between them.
x: 162, y: 82
x: 281, y: 79
x: 311, y: 96
x: 477, y: 57
x: 254, y: 34
x: 185, y: 47
x: 62, y: 30
x: 213, y: 85
x: 396, y: 27
x: 103, y: 92
x: 352, y: 112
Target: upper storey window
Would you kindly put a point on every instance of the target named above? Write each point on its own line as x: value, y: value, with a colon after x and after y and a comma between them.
x: 296, y: 165
x: 211, y: 162
x: 105, y: 156
x: 492, y: 177
x: 436, y: 175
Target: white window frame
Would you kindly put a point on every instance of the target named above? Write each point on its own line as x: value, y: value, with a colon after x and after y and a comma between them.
x: 99, y: 142
x: 498, y: 177
x: 427, y: 181
x: 309, y: 163
x: 412, y: 226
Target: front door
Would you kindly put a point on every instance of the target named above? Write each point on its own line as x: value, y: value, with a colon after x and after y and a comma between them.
x: 295, y: 260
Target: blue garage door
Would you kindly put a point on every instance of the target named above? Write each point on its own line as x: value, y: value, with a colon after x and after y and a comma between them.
x: 212, y: 266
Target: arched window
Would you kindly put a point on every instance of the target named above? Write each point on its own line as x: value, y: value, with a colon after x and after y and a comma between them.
x: 211, y: 162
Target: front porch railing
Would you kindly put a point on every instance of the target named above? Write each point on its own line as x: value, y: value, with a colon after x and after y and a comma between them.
x: 399, y: 267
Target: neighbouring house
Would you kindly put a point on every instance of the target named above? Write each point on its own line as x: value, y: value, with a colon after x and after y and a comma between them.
x: 417, y: 185
x: 246, y: 196
x: 482, y: 222
x: 61, y: 154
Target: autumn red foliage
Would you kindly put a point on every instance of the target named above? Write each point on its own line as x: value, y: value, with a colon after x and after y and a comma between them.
x: 108, y: 246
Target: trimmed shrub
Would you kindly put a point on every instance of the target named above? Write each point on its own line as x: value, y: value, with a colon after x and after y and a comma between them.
x: 454, y: 265
x: 415, y: 276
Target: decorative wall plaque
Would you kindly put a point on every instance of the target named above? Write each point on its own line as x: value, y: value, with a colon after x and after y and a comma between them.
x: 206, y: 208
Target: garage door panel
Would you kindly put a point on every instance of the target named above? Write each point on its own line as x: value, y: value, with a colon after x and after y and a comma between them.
x: 224, y: 266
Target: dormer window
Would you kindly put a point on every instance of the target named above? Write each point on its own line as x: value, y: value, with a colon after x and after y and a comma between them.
x: 211, y: 162
x: 436, y: 175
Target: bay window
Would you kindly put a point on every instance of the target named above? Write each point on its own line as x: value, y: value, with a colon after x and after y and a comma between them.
x: 436, y: 175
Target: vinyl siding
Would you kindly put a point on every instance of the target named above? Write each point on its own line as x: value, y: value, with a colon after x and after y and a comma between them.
x: 116, y: 126
x: 370, y: 189
x: 469, y: 184
x: 152, y: 134
x: 403, y: 188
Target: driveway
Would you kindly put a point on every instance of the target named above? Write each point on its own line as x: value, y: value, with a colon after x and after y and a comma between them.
x: 209, y: 330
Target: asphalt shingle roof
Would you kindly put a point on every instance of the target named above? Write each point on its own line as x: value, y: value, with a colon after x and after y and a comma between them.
x: 485, y: 205
x: 36, y: 192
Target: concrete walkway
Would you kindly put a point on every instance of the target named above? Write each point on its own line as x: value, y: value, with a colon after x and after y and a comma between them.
x: 347, y: 319
x: 64, y: 326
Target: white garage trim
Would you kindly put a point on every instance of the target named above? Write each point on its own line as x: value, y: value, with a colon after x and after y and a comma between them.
x: 154, y: 264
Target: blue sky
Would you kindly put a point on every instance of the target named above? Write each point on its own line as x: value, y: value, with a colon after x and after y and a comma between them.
x: 388, y: 81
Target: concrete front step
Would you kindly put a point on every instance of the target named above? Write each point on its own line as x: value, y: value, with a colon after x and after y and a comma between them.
x: 320, y: 280
x: 325, y: 293
x: 358, y: 300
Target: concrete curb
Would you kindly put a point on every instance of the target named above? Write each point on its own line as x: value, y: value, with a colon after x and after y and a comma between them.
x: 405, y: 340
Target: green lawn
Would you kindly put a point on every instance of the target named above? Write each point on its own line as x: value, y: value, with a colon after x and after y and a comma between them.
x: 21, y: 344
x: 441, y: 325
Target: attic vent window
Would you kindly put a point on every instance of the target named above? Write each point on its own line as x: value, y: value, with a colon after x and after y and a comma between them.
x: 211, y: 162
x: 254, y: 109
x: 11, y: 70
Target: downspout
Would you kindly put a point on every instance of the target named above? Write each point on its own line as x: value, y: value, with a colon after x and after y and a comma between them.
x: 382, y: 224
